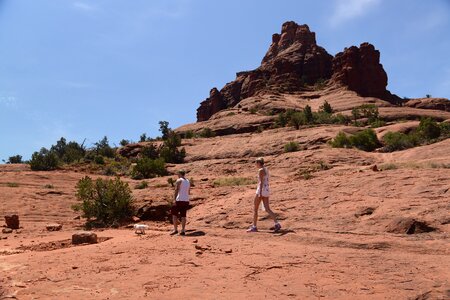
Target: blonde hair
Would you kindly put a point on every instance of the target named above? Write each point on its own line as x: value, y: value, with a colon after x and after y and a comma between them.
x: 260, y: 160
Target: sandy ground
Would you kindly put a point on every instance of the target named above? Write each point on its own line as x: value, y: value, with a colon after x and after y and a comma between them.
x: 326, y: 250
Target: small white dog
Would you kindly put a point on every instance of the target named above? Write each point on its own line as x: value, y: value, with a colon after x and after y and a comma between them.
x: 140, y: 228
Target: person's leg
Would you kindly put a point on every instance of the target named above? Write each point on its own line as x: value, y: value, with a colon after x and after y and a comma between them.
x: 183, y: 224
x: 183, y: 211
x: 256, y: 203
x: 267, y: 207
x: 174, y: 212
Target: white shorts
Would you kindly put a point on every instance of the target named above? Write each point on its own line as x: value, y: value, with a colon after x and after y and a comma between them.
x: 265, y: 193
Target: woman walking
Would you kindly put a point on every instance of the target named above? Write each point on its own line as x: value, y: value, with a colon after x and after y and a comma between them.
x: 262, y: 194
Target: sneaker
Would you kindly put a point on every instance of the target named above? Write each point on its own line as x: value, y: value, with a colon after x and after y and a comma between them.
x: 174, y: 232
x: 277, y: 227
x: 252, y: 229
x: 182, y: 233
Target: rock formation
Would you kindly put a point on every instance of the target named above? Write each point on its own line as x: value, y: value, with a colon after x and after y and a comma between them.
x: 360, y: 70
x: 295, y: 62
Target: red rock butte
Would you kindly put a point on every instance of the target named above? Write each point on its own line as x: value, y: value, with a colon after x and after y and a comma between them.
x: 294, y: 60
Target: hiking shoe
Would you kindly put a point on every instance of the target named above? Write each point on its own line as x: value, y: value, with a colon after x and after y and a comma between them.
x: 182, y: 233
x: 252, y: 229
x: 174, y: 232
x: 277, y: 227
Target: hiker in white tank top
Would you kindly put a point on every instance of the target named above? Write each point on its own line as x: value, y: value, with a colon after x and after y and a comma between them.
x: 183, y: 189
x: 262, y: 195
x: 181, y: 205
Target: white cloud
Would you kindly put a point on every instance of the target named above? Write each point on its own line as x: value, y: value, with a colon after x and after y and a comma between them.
x: 346, y: 10
x: 83, y: 6
x: 8, y: 101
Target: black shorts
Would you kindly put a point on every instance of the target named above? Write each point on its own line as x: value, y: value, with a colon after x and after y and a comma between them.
x: 179, y: 209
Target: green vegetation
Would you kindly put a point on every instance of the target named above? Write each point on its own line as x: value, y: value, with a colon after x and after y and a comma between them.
x: 364, y: 140
x: 107, y: 201
x: 234, y: 181
x: 190, y: 134
x: 49, y: 186
x: 291, y: 147
x: 148, y: 168
x: 207, y: 133
x: 12, y: 184
x: 368, y: 112
x: 171, y: 181
x: 429, y: 131
x: 308, y: 117
x: 44, y: 160
x: 141, y: 185
x: 16, y: 159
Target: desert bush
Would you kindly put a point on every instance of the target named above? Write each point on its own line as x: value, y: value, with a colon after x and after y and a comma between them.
x: 291, y: 147
x: 394, y: 141
x: 171, y: 181
x: 365, y: 140
x: 141, y: 185
x: 99, y: 160
x: 44, y: 160
x: 340, y: 119
x: 388, y: 166
x: 326, y: 107
x: 148, y: 168
x: 377, y: 123
x: 169, y: 152
x: 308, y: 115
x: 124, y: 142
x: 103, y: 148
x: 165, y: 129
x: 233, y: 181
x: 150, y: 151
x: 189, y: 134
x: 16, y: 159
x: 12, y: 184
x: 429, y: 129
x: 297, y: 119
x: 108, y: 201
x: 341, y: 141
x: 445, y: 129
x: 68, y: 152
x: 207, y: 133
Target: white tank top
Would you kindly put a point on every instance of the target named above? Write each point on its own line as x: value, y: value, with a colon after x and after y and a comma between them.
x: 265, y: 184
x: 183, y: 190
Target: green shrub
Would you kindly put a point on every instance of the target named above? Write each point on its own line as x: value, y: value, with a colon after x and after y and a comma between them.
x: 297, y: 119
x: 142, y: 185
x: 171, y: 181
x: 341, y: 141
x: 189, y: 134
x: 322, y: 117
x: 429, y: 129
x: 99, y: 160
x: 108, y: 201
x: 12, y: 184
x: 291, y: 147
x: 68, y: 152
x: 44, y: 160
x: 394, y: 141
x: 365, y: 140
x: 377, y: 123
x: 170, y: 152
x: 326, y: 107
x: 445, y: 129
x: 207, y: 133
x: 103, y: 148
x: 124, y: 142
x: 308, y: 115
x: 369, y: 111
x: 165, y: 129
x: 340, y: 119
x: 16, y: 159
x: 148, y: 168
x: 150, y: 151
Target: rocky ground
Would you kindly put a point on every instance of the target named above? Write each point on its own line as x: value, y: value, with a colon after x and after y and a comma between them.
x: 344, y: 228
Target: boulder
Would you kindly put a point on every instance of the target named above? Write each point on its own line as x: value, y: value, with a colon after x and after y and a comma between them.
x: 408, y: 226
x: 84, y: 237
x: 53, y: 227
x: 7, y: 230
x: 12, y: 221
x: 429, y: 103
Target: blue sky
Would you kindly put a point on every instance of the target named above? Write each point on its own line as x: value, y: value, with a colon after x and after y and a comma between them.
x: 86, y: 69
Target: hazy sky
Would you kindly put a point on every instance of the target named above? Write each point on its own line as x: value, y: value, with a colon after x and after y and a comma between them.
x: 86, y: 69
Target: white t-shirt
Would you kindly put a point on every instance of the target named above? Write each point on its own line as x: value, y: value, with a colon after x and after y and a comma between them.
x: 183, y: 190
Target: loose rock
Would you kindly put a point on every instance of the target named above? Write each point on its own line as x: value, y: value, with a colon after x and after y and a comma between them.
x: 84, y: 237
x: 7, y: 230
x: 53, y: 227
x: 12, y: 221
x: 408, y: 226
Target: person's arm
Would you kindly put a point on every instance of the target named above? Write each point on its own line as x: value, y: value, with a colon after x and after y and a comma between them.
x: 177, y: 188
x: 262, y: 174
